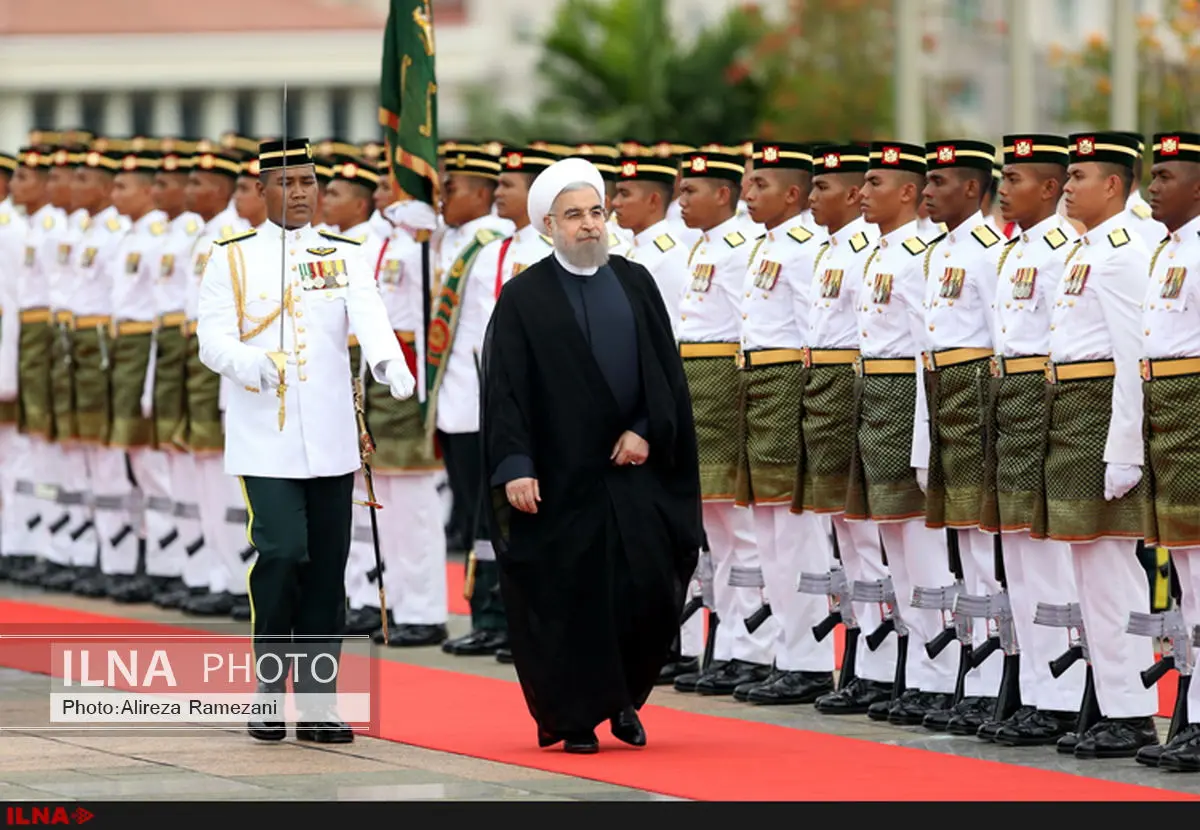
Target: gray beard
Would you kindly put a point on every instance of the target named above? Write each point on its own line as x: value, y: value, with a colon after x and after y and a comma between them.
x: 583, y: 254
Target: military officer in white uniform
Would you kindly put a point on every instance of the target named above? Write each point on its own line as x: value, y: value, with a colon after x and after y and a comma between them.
x: 1138, y: 215
x: 291, y: 434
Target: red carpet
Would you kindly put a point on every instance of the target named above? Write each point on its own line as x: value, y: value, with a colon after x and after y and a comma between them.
x: 691, y: 756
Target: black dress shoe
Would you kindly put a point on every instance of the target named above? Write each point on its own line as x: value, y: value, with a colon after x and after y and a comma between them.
x: 504, y: 655
x: 268, y: 730
x: 209, y: 605
x: 1117, y: 738
x: 939, y: 719
x: 129, y: 589
x: 328, y: 730
x: 742, y: 692
x: 410, y: 635
x: 10, y: 565
x: 583, y: 744
x: 732, y: 674
x: 175, y: 598
x: 855, y: 699
x: 687, y: 681
x: 365, y: 620
x: 911, y: 710
x: 94, y: 585
x: 31, y: 574
x: 478, y: 643
x: 990, y: 728
x: 59, y: 578
x: 1038, y: 728
x: 1067, y: 743
x: 1182, y: 754
x: 793, y: 687
x: 627, y: 727
x: 969, y: 717
x: 676, y: 667
x: 241, y: 608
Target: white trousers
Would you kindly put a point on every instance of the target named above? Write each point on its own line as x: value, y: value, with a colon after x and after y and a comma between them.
x: 76, y: 539
x: 58, y: 515
x: 412, y: 545
x: 17, y: 538
x: 1041, y: 571
x: 731, y: 542
x: 164, y: 550
x: 185, y: 489
x: 1112, y: 583
x: 916, y: 556
x: 977, y: 551
x: 790, y: 544
x: 862, y: 560
x: 115, y: 522
x: 361, y: 591
x: 223, y: 522
x: 1187, y: 566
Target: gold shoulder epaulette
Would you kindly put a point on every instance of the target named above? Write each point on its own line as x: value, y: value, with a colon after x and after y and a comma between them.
x: 914, y: 245
x: 85, y: 223
x: 664, y: 243
x: 1118, y: 238
x: 5, y: 218
x: 113, y: 224
x: 192, y: 227
x: 158, y: 228
x: 338, y: 237
x: 237, y: 238
x: 800, y: 234
x: 48, y: 221
x: 483, y: 235
x: 858, y: 242
x: 612, y: 240
x: 734, y: 239
x: 549, y: 241
x: 985, y: 236
x: 1142, y: 211
x: 1055, y: 238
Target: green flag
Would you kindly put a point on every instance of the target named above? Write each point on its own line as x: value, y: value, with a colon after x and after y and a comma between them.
x: 408, y: 99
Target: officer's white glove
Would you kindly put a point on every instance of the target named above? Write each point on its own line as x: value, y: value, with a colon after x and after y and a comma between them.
x: 922, y: 478
x: 268, y: 375
x: 401, y: 381
x: 412, y: 214
x: 1119, y: 479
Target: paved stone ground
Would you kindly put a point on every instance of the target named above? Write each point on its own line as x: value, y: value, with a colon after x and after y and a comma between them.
x: 227, y: 766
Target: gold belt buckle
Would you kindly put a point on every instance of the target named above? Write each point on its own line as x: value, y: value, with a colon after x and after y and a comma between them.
x: 997, y: 366
x: 1051, y: 372
x: 807, y: 354
x: 740, y: 359
x: 928, y: 362
x: 858, y: 365
x: 1147, y: 371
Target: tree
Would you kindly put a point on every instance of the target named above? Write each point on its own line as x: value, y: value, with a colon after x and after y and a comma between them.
x: 1168, y: 78
x: 612, y: 70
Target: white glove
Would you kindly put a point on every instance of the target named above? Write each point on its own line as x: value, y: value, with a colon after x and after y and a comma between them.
x: 268, y: 375
x: 922, y: 478
x: 1119, y: 479
x: 411, y: 214
x: 401, y: 381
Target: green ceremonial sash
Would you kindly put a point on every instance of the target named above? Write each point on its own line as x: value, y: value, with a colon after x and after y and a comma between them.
x: 445, y: 320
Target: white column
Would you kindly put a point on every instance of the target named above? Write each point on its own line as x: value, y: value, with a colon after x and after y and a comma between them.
x: 363, y: 121
x: 166, y: 118
x: 317, y: 123
x: 910, y: 102
x: 219, y: 113
x: 1022, y: 89
x: 118, y: 114
x: 16, y: 119
x: 268, y: 112
x: 68, y: 111
x: 1124, y: 108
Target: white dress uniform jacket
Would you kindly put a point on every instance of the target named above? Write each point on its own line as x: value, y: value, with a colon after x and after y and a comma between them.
x: 1139, y: 219
x: 171, y: 284
x: 663, y: 254
x: 1029, y: 275
x: 711, y: 307
x: 836, y: 282
x: 1097, y: 316
x: 776, y: 287
x: 13, y: 228
x: 1171, y: 308
x: 94, y: 264
x: 319, y: 436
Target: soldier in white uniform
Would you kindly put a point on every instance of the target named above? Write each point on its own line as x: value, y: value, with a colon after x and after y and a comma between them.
x: 1095, y: 492
x: 1138, y: 215
x: 643, y: 193
x: 461, y: 311
x: 1031, y: 267
x: 1170, y: 369
x: 960, y: 286
x: 883, y: 485
x: 291, y: 435
x: 774, y: 331
x: 223, y: 518
x: 709, y: 334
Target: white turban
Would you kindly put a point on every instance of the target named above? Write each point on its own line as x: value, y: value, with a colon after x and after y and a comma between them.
x: 553, y: 180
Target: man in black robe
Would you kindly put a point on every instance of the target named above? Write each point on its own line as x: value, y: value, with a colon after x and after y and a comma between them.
x: 591, y: 456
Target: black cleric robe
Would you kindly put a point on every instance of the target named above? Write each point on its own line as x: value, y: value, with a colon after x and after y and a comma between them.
x: 594, y: 582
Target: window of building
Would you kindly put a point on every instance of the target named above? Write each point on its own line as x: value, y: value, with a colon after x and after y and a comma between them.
x: 91, y: 106
x: 339, y: 111
x: 45, y: 111
x: 245, y: 112
x: 143, y: 113
x: 191, y: 113
x: 295, y: 115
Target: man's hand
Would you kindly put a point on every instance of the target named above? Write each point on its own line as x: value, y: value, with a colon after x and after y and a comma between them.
x: 631, y: 448
x: 1119, y: 479
x: 922, y: 478
x: 400, y: 380
x: 268, y: 374
x: 523, y: 494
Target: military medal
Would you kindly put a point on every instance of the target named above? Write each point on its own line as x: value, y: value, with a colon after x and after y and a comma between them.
x: 881, y: 292
x: 132, y: 261
x: 168, y: 265
x: 768, y: 275
x: 201, y: 264
x: 389, y: 274
x: 702, y: 276
x: 831, y: 283
x: 89, y: 257
x: 30, y: 256
x: 323, y: 275
x: 1172, y: 283
x: 64, y: 254
x: 952, y: 283
x: 1076, y: 280
x: 1023, y: 282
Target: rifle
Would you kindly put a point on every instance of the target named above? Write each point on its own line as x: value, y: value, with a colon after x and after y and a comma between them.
x: 1002, y: 635
x: 704, y: 574
x: 1175, y: 647
x: 834, y: 586
x: 1070, y: 617
x: 882, y: 592
x: 751, y: 578
x: 958, y: 626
